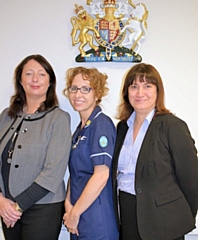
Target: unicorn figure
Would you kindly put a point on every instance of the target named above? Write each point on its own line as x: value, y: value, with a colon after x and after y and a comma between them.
x: 136, y: 25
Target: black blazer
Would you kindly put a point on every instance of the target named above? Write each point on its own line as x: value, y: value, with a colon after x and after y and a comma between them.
x: 166, y: 179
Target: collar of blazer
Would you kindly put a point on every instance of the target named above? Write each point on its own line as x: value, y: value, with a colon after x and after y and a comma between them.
x: 146, y: 144
x: 35, y: 116
x: 25, y: 117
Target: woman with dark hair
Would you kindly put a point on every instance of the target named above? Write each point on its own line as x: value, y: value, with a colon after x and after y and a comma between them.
x: 35, y: 142
x: 155, y: 165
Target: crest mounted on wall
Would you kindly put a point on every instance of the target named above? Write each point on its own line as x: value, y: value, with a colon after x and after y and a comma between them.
x: 112, y: 30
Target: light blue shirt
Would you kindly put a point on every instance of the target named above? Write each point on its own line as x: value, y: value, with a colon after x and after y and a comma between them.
x: 129, y: 154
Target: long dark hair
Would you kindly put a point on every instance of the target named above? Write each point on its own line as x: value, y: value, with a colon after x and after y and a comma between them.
x: 142, y: 72
x: 18, y: 100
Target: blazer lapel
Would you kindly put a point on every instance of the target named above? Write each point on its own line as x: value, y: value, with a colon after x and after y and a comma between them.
x: 121, y: 133
x: 146, y: 146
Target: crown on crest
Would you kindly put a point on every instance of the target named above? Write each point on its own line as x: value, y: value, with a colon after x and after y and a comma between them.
x: 109, y: 3
x: 78, y: 9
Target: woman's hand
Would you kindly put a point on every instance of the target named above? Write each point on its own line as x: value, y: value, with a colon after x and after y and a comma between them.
x: 9, y: 223
x: 7, y: 211
x: 71, y: 222
x: 68, y: 221
x: 91, y: 191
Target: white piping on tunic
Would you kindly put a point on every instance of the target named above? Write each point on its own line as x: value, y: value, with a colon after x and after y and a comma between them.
x: 99, y: 154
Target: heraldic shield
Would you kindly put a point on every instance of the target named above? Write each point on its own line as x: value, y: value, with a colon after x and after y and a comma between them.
x: 108, y: 29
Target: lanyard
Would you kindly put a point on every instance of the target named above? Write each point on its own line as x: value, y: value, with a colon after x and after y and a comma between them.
x: 11, y: 147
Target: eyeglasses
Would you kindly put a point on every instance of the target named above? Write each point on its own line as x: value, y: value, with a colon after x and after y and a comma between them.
x: 83, y: 90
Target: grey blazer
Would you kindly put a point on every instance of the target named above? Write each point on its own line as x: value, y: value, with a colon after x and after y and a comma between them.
x: 41, y: 152
x: 166, y: 179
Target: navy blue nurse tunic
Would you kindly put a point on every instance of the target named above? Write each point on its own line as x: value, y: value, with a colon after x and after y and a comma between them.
x: 93, y: 145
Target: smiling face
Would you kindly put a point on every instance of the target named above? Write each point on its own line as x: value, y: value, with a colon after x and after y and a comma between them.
x: 83, y: 103
x: 142, y: 96
x: 35, y: 80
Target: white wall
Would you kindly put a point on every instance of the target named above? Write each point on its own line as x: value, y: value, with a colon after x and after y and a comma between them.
x: 44, y: 27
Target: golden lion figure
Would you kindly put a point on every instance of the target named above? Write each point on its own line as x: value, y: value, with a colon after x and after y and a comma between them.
x: 83, y: 23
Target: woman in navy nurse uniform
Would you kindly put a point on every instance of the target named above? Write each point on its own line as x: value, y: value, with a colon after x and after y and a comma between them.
x: 88, y: 205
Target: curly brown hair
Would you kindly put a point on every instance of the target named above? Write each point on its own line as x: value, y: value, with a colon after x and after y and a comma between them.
x: 98, y: 80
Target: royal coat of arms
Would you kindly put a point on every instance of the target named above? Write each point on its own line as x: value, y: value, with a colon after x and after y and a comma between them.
x: 113, y: 29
